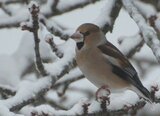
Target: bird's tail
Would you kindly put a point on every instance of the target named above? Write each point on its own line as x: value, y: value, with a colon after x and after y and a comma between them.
x: 144, y: 93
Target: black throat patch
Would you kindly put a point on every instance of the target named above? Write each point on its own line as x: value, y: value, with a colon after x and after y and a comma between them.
x: 80, y: 45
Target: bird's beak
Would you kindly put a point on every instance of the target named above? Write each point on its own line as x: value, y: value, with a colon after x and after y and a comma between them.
x: 76, y: 36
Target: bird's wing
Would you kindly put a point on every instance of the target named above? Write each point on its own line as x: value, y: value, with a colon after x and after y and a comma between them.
x: 121, y: 65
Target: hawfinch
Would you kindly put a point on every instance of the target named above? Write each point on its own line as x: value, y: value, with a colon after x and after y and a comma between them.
x: 103, y: 64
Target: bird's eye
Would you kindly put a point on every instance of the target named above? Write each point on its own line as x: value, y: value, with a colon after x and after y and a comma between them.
x: 86, y: 33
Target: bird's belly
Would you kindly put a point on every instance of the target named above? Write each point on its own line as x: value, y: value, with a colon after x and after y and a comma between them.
x: 102, y: 75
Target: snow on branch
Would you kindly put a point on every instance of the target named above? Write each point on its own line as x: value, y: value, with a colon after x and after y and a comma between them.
x: 7, y: 91
x: 108, y: 15
x: 64, y: 6
x: 61, y: 7
x: 62, y: 85
x: 13, y: 1
x: 49, y: 40
x: 56, y: 30
x: 149, y: 35
x: 129, y: 47
x: 155, y: 3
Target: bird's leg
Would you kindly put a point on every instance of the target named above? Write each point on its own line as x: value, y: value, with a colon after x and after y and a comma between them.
x: 102, y: 94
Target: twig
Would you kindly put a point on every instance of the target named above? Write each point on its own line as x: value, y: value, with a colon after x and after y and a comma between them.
x: 55, y: 105
x: 49, y: 40
x: 135, y: 49
x: 7, y: 91
x: 69, y: 81
x: 65, y: 84
x: 34, y: 10
x: 85, y: 108
x: 55, y: 29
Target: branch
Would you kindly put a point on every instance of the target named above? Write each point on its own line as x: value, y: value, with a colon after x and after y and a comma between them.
x: 7, y: 91
x: 65, y: 84
x: 49, y: 40
x: 135, y: 44
x: 65, y: 6
x: 148, y: 33
x: 36, y: 90
x: 6, y: 2
x: 33, y: 27
x: 108, y: 15
x: 155, y: 3
x: 132, y: 110
x: 14, y: 21
x: 3, y: 7
x: 150, y: 14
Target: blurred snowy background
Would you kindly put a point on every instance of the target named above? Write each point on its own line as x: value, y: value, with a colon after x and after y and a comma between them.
x: 25, y: 92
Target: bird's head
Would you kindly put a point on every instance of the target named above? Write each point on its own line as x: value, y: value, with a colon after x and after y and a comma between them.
x: 88, y: 34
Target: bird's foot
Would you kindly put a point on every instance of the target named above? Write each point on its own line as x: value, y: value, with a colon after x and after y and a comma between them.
x: 102, y: 94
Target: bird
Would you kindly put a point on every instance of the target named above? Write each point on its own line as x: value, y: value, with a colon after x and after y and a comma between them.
x: 103, y: 64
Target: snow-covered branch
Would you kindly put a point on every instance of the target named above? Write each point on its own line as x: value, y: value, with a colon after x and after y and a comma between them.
x: 132, y: 47
x: 62, y: 7
x: 65, y: 6
x: 149, y: 35
x: 7, y: 91
x: 49, y: 40
x: 108, y: 15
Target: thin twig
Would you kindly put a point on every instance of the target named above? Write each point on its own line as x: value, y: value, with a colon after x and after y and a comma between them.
x: 34, y: 10
x: 49, y: 40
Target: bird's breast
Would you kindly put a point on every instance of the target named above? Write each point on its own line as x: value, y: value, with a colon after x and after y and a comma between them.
x: 97, y: 70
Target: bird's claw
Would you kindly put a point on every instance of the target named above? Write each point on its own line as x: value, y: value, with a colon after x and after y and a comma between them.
x: 102, y: 94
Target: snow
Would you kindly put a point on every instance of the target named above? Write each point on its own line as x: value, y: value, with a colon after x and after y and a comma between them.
x: 31, y: 4
x: 152, y: 108
x: 83, y: 15
x: 104, y: 16
x: 146, y: 9
x: 13, y: 77
x: 129, y: 43
x: 47, y: 8
x: 18, y: 17
x: 5, y: 112
x: 68, y: 49
x: 30, y: 88
x: 75, y: 110
x: 157, y: 23
x: 65, y: 4
x: 72, y: 74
